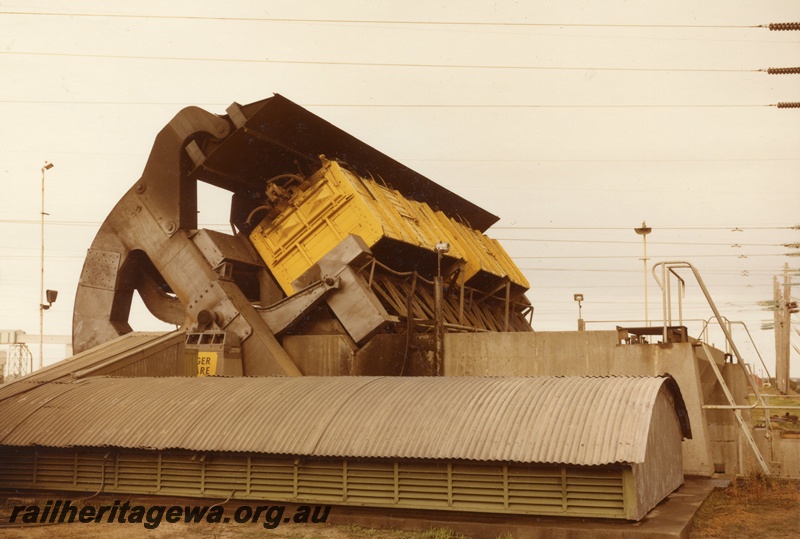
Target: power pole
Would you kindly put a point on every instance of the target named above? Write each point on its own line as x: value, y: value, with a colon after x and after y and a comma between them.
x: 787, y: 325
x: 784, y: 307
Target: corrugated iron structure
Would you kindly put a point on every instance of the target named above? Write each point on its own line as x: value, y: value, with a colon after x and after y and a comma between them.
x: 134, y: 354
x: 573, y: 420
x: 579, y: 427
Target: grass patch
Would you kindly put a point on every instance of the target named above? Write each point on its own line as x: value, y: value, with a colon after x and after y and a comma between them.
x: 357, y: 532
x: 752, y: 506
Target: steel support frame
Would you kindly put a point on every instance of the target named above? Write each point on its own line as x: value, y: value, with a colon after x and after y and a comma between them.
x: 157, y: 217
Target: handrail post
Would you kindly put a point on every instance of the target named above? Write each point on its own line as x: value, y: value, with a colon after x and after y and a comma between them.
x: 666, y: 299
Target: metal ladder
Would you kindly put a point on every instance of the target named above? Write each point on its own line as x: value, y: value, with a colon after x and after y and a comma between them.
x: 669, y: 268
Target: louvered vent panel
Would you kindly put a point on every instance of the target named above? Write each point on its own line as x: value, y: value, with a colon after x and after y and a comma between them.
x: 224, y: 474
x: 272, y: 479
x: 320, y: 480
x: 370, y: 482
x: 423, y: 484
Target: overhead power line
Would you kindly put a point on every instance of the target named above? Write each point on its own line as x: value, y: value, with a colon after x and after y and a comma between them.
x: 733, y: 228
x: 375, y: 64
x: 778, y: 26
x: 634, y: 242
x: 539, y: 106
x: 639, y: 271
x: 634, y: 257
x: 114, y: 103
x: 400, y: 105
x: 653, y: 160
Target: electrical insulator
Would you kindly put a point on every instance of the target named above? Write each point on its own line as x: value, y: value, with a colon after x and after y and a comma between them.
x: 781, y: 26
x: 792, y: 306
x: 784, y: 71
x: 790, y: 105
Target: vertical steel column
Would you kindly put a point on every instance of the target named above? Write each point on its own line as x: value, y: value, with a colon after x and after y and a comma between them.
x: 786, y: 317
x: 438, y: 325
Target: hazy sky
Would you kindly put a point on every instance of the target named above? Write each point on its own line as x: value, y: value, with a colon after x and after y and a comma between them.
x: 572, y: 121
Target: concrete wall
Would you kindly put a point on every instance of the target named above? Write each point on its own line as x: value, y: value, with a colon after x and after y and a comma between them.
x: 715, y: 441
x: 320, y: 355
x: 783, y: 453
x: 530, y: 354
x: 383, y: 355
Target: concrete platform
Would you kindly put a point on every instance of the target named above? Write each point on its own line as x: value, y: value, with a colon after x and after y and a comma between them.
x: 672, y: 518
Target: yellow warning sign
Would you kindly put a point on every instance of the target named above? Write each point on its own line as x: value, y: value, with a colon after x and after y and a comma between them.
x: 206, y: 363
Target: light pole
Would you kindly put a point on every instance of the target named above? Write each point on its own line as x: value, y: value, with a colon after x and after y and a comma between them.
x: 47, y: 166
x: 643, y: 232
x: 581, y: 323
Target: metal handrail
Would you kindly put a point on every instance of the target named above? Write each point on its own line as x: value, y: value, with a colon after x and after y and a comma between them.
x: 663, y: 284
x: 758, y: 353
x: 729, y: 338
x: 619, y: 321
x: 754, y: 406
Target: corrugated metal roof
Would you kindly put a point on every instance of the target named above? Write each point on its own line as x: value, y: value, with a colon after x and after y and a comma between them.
x: 106, y: 354
x: 566, y: 420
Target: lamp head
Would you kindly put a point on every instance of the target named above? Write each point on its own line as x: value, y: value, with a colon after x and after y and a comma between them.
x: 644, y: 230
x: 52, y: 295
